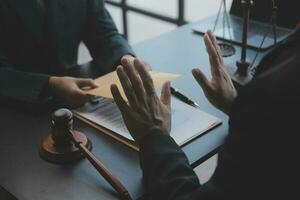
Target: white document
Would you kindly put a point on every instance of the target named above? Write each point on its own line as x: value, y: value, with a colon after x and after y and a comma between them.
x: 105, y: 113
x: 187, y: 121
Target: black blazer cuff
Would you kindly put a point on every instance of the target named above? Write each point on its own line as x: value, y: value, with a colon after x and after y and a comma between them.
x: 156, y: 144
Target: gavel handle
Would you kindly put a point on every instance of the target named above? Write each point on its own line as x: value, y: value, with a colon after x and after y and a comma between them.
x: 114, y: 182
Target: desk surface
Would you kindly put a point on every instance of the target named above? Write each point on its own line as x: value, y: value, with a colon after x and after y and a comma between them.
x: 26, y: 176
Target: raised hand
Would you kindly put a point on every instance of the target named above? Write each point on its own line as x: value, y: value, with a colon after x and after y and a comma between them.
x: 220, y: 90
x: 144, y: 113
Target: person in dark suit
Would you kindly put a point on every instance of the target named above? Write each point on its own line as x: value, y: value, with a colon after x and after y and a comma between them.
x: 39, y: 42
x: 259, y: 159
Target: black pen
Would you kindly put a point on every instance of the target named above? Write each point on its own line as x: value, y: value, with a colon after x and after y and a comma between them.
x: 182, y: 97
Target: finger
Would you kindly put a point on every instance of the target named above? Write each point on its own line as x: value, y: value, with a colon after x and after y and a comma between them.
x: 86, y: 83
x: 145, y: 77
x: 213, y: 57
x: 78, y: 97
x: 210, y: 49
x: 202, y: 80
x: 165, y: 96
x: 127, y: 59
x: 121, y: 103
x: 136, y: 81
x: 147, y: 66
x: 216, y: 45
x: 127, y: 87
x: 213, y: 67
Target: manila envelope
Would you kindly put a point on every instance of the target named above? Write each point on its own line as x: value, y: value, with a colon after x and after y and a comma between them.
x: 104, y: 83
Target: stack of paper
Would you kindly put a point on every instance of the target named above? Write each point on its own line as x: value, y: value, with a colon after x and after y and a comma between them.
x: 104, y: 115
x: 187, y: 121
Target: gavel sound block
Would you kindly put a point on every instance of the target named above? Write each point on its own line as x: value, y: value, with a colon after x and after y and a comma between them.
x: 66, y: 145
x: 58, y: 147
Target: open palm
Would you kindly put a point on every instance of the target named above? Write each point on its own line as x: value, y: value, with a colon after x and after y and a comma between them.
x: 220, y: 90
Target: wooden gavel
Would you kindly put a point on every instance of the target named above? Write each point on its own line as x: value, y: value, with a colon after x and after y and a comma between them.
x: 65, y: 145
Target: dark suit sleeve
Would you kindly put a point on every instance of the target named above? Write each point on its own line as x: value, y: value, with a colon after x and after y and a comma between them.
x: 18, y: 86
x: 167, y: 173
x: 102, y: 38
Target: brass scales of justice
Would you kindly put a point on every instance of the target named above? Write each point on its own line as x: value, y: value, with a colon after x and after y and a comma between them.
x: 243, y: 72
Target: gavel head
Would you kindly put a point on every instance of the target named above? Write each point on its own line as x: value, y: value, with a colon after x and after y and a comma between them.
x: 58, y: 146
x: 61, y: 124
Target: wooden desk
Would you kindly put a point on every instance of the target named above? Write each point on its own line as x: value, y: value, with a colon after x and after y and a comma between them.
x: 26, y: 176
